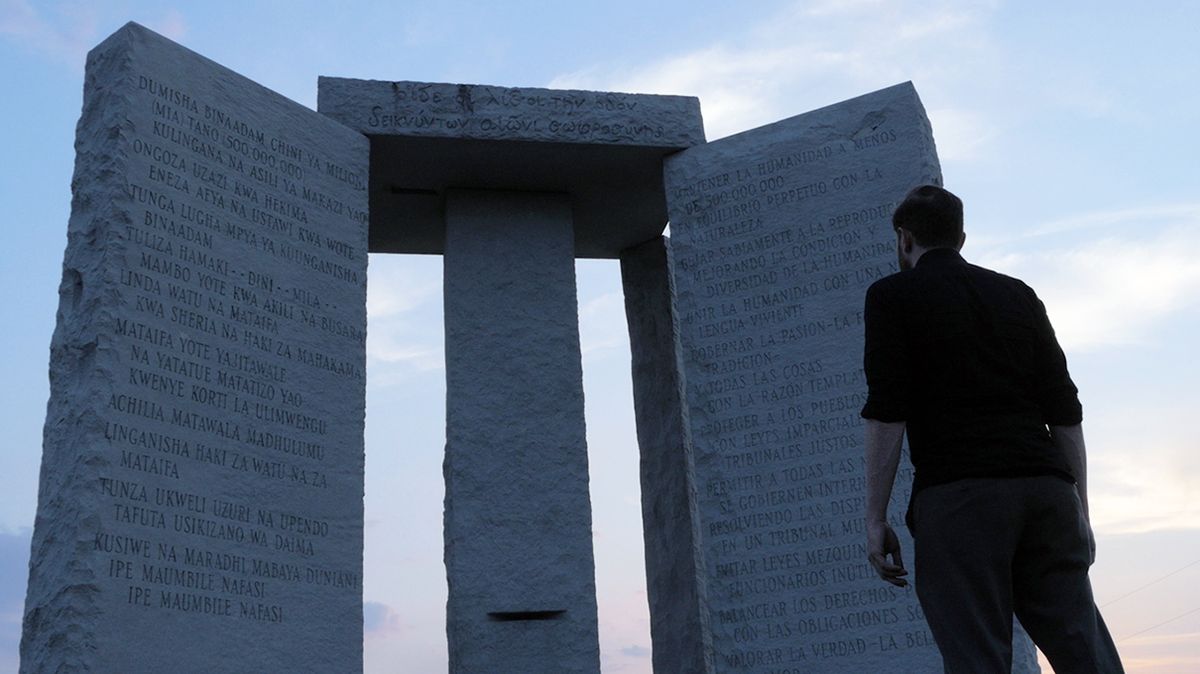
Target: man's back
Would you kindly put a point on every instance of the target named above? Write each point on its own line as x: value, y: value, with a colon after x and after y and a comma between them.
x: 963, y: 360
x: 967, y: 357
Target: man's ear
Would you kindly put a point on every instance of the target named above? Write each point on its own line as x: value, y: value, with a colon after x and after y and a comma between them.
x: 962, y: 239
x: 906, y: 240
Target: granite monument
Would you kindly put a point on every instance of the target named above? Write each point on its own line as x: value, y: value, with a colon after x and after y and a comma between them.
x: 200, y: 505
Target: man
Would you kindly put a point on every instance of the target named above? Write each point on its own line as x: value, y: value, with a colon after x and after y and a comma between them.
x: 964, y: 361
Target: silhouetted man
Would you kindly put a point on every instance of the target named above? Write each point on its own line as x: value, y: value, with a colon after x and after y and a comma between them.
x: 964, y: 361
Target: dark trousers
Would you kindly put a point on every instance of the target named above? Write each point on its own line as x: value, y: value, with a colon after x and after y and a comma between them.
x: 987, y: 548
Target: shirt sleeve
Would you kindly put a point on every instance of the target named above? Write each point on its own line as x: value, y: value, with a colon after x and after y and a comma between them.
x: 885, y: 358
x: 1058, y: 397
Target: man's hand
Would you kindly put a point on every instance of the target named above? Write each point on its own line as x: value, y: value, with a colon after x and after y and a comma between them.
x: 882, y: 543
x: 883, y: 440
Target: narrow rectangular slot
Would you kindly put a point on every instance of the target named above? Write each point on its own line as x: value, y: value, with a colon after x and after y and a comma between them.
x: 509, y: 616
x: 396, y: 189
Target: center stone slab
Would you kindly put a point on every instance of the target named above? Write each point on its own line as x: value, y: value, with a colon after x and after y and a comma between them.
x: 518, y: 520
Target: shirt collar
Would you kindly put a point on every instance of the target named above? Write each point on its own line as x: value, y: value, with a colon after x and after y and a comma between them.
x: 940, y: 257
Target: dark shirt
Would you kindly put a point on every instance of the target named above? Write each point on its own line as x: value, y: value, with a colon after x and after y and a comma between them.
x: 967, y: 357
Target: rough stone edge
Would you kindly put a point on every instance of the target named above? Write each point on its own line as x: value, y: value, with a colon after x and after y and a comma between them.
x: 329, y: 87
x: 680, y: 635
x: 931, y: 163
x: 62, y: 602
x: 59, y: 618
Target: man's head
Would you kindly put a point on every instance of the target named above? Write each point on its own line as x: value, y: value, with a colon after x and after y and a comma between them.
x: 929, y: 217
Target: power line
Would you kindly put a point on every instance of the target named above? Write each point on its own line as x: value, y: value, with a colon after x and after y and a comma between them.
x: 1156, y: 580
x: 1181, y: 615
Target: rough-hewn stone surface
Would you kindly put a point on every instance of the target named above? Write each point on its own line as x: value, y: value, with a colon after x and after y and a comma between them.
x: 518, y: 525
x: 776, y: 233
x: 487, y: 112
x: 670, y: 523
x: 200, y: 506
x: 604, y: 149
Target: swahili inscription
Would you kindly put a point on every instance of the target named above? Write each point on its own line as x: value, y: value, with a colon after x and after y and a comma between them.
x: 776, y: 233
x: 215, y: 376
x: 227, y: 492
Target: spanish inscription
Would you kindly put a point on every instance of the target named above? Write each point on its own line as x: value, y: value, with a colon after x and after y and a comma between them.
x: 776, y: 233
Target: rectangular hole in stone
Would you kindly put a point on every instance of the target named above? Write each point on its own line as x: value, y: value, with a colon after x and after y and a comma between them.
x: 510, y: 616
x: 396, y: 189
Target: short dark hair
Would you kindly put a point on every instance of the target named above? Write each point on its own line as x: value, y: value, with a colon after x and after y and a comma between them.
x: 933, y: 215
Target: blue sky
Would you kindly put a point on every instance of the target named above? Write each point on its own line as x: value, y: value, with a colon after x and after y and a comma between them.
x: 1068, y: 128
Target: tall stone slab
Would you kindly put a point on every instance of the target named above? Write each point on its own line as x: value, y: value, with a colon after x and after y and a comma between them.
x: 518, y: 521
x: 200, y: 505
x: 675, y: 580
x: 776, y: 233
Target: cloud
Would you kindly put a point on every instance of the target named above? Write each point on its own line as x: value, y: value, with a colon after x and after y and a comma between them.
x: 636, y: 651
x: 404, y: 313
x: 822, y: 8
x: 395, y: 289
x: 960, y: 134
x: 1080, y: 93
x: 1186, y: 638
x: 740, y: 88
x: 1167, y: 654
x: 171, y: 25
x: 809, y: 55
x: 66, y: 31
x: 379, y: 620
x: 1113, y: 283
x: 66, y: 36
x: 1147, y: 218
x: 602, y: 323
x: 385, y: 348
x: 624, y: 615
x: 1143, y: 477
x: 1113, y: 286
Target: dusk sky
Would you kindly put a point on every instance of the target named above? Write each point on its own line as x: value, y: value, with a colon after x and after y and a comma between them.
x: 1068, y: 128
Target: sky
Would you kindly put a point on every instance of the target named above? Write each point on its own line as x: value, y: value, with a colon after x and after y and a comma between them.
x: 1068, y: 128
